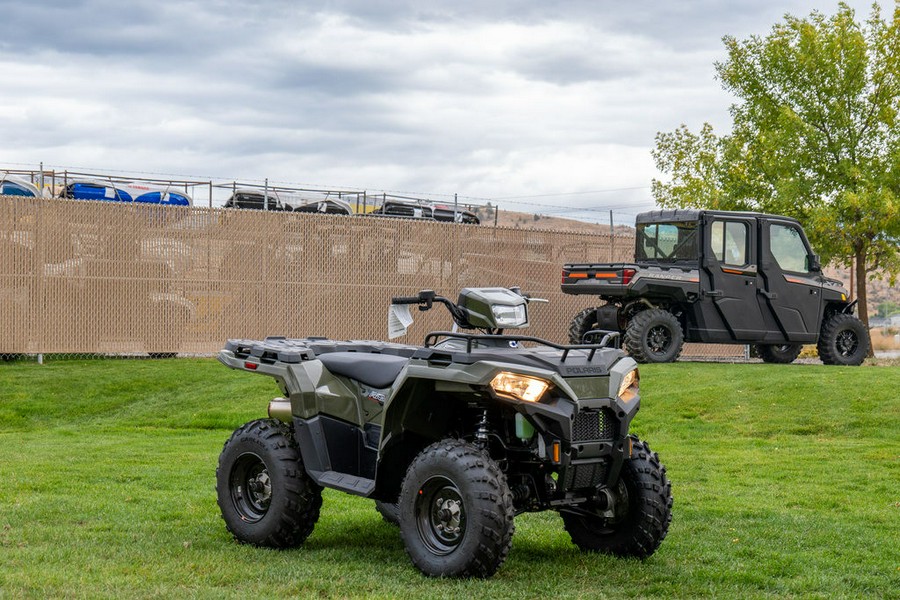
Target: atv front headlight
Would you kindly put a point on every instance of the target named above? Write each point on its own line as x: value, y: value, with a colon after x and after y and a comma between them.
x: 509, y: 316
x: 521, y: 387
x: 628, y: 389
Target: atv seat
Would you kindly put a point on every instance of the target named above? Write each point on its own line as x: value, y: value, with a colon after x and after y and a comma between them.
x: 376, y: 370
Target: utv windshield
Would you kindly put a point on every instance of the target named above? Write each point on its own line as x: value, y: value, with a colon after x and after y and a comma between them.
x: 667, y: 242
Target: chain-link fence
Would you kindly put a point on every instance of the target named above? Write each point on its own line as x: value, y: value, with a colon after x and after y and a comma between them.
x: 113, y: 279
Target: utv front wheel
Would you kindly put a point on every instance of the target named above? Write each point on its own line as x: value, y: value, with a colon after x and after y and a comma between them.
x: 265, y: 495
x: 456, y: 512
x: 844, y: 340
x: 779, y: 353
x: 654, y: 336
x: 639, y: 519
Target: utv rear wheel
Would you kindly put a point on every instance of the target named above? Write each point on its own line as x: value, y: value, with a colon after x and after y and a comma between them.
x: 641, y: 514
x: 581, y: 323
x: 456, y: 512
x: 654, y: 336
x: 843, y: 340
x: 779, y: 354
x: 265, y: 495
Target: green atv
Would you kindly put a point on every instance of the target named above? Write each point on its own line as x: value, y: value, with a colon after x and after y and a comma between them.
x: 453, y: 438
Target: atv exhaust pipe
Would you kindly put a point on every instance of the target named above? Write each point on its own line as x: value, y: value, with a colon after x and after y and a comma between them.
x: 280, y: 408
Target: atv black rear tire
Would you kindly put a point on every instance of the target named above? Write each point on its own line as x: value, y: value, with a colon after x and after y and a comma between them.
x: 642, y: 520
x: 779, y: 353
x: 654, y: 336
x: 265, y: 495
x: 581, y: 323
x: 456, y: 511
x: 389, y: 511
x: 843, y: 340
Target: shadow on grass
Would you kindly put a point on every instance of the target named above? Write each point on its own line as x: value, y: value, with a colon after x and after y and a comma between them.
x: 371, y: 543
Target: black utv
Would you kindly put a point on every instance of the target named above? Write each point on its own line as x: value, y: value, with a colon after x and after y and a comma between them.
x: 719, y: 277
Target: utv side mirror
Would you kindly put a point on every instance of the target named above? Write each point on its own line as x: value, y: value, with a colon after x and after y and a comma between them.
x: 815, y: 263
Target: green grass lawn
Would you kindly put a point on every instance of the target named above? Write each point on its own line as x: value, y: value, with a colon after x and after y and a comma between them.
x: 786, y: 482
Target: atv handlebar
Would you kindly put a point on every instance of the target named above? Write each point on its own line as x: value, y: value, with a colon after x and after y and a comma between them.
x: 425, y: 300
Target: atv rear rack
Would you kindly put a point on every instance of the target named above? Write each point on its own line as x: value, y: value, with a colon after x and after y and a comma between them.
x: 609, y: 336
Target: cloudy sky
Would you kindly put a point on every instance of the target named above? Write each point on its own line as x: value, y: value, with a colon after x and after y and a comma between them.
x: 537, y: 105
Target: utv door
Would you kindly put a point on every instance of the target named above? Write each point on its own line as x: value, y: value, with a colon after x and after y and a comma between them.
x: 729, y: 280
x: 791, y: 291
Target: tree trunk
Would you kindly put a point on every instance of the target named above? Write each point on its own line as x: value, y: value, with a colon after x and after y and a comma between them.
x: 862, y: 308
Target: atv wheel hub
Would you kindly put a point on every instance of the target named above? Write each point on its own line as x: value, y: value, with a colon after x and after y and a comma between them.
x: 447, y: 515
x: 440, y: 515
x: 251, y: 487
x: 261, y: 487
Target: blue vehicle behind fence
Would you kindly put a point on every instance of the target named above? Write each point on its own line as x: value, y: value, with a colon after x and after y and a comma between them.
x: 14, y: 186
x: 132, y: 192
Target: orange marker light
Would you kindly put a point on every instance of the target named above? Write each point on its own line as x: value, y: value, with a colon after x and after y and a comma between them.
x: 556, y: 452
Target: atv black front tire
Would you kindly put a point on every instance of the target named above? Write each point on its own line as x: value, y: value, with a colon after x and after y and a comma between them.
x: 642, y: 515
x: 265, y: 495
x: 654, y: 336
x: 779, y: 354
x: 843, y: 340
x: 456, y: 512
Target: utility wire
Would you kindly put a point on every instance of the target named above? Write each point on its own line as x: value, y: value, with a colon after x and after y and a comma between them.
x: 584, y: 208
x: 604, y: 191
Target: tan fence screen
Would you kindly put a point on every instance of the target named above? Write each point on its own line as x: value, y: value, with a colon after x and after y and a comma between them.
x: 110, y: 278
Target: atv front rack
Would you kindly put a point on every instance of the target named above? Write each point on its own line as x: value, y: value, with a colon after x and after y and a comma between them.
x: 469, y: 338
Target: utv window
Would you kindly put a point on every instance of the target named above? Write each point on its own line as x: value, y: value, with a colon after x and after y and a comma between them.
x: 667, y: 242
x: 788, y: 249
x: 729, y: 242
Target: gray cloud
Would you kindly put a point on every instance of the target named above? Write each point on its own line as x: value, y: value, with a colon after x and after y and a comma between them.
x: 485, y: 99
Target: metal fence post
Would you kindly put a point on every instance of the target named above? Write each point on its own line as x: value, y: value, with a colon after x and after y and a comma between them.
x: 612, y: 237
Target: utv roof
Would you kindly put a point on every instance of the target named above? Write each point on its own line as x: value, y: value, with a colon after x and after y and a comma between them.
x: 693, y: 214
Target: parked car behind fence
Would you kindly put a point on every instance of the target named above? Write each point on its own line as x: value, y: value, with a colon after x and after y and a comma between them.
x: 89, y: 189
